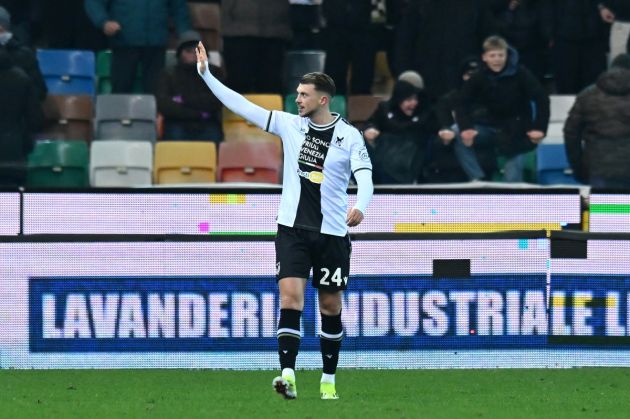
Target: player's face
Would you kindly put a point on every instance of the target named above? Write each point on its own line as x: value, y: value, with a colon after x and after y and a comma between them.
x: 495, y: 59
x: 308, y: 100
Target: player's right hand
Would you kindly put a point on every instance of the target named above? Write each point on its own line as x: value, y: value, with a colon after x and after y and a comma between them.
x: 202, y: 58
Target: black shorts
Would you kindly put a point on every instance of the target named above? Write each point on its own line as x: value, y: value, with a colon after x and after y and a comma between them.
x: 298, y: 250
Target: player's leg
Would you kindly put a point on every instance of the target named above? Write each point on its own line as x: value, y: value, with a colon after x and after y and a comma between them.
x: 330, y: 340
x: 331, y: 266
x: 292, y: 268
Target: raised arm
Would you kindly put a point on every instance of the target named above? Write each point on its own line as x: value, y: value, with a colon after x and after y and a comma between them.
x: 231, y: 99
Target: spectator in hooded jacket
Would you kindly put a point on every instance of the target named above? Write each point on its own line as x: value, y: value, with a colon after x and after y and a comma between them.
x: 190, y: 110
x: 517, y: 112
x: 597, y: 131
x: 20, y: 117
x: 138, y: 33
x: 398, y: 132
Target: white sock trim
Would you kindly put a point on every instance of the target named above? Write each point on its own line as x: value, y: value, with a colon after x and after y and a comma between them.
x: 288, y: 372
x: 328, y: 378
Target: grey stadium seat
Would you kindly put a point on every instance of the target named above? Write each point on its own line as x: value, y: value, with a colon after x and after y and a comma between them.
x: 125, y: 117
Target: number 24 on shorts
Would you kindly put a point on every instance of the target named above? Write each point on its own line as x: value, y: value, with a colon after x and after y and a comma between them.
x: 336, y: 277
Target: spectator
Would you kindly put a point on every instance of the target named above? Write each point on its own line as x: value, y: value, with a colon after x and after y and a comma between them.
x: 21, y: 12
x: 523, y: 25
x: 597, y: 131
x: 350, y: 41
x: 191, y: 111
x: 20, y: 117
x: 67, y: 26
x: 517, y: 112
x: 255, y: 37
x: 306, y: 23
x: 617, y: 12
x: 443, y: 166
x: 433, y: 37
x: 138, y: 32
x: 21, y: 55
x: 579, y: 39
x: 398, y: 133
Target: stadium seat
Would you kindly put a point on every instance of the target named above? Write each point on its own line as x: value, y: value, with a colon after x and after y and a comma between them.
x: 104, y: 76
x: 560, y: 107
x: 237, y: 129
x: 206, y: 19
x: 299, y: 62
x: 338, y: 104
x: 125, y: 117
x: 58, y: 163
x: 552, y: 166
x: 529, y: 168
x: 68, y: 117
x: 121, y: 163
x: 249, y: 162
x: 67, y: 72
x: 185, y: 162
x: 361, y: 108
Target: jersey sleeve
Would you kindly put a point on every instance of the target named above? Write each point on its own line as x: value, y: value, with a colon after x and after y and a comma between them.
x: 279, y: 123
x: 359, y: 157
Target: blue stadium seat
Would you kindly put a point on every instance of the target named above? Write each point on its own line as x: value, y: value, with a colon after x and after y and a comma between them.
x: 68, y: 72
x: 552, y: 166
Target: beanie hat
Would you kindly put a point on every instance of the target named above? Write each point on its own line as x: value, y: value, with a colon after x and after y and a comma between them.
x: 187, y: 39
x: 413, y: 78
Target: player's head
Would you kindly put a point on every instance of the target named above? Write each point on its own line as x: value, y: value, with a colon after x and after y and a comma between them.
x: 314, y: 93
x: 495, y: 52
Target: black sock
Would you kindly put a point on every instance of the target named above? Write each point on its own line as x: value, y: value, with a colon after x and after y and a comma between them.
x: 330, y: 342
x: 288, y: 337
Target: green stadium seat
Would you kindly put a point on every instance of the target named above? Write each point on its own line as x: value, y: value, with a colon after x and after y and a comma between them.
x: 58, y: 164
x: 103, y: 74
x: 529, y: 168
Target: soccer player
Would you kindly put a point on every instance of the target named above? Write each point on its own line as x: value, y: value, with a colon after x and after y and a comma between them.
x: 321, y: 151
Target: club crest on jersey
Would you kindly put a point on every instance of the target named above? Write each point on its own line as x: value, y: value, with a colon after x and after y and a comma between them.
x: 339, y: 141
x: 314, y: 177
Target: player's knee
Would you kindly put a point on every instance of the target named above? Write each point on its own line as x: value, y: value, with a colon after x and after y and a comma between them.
x: 292, y: 301
x: 330, y: 306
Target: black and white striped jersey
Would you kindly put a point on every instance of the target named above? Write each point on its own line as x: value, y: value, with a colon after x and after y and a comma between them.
x: 318, y: 163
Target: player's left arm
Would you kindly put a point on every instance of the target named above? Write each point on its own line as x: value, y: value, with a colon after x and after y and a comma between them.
x: 361, y: 167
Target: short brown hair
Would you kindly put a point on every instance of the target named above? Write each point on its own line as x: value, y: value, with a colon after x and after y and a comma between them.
x: 322, y: 82
x: 493, y: 43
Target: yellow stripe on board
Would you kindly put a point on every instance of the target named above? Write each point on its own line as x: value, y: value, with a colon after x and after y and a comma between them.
x: 559, y: 301
x: 470, y: 227
x: 227, y: 199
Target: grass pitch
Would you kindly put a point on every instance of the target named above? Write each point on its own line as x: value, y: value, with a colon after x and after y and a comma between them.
x: 503, y: 393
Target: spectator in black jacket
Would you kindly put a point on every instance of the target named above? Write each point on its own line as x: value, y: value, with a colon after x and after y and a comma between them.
x: 433, y: 37
x: 580, y: 42
x: 597, y: 131
x: 617, y: 12
x: 398, y: 133
x: 20, y: 117
x: 191, y: 111
x: 517, y: 112
x: 21, y: 55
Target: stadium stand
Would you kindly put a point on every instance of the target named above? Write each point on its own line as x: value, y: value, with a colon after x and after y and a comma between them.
x: 68, y: 117
x: 67, y: 72
x: 360, y: 108
x: 249, y: 162
x: 59, y: 164
x: 115, y: 163
x: 552, y: 166
x: 299, y: 62
x: 206, y: 19
x: 560, y: 105
x: 179, y: 162
x: 125, y: 117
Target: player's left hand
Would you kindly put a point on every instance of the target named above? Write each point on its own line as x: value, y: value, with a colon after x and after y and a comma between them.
x: 354, y: 217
